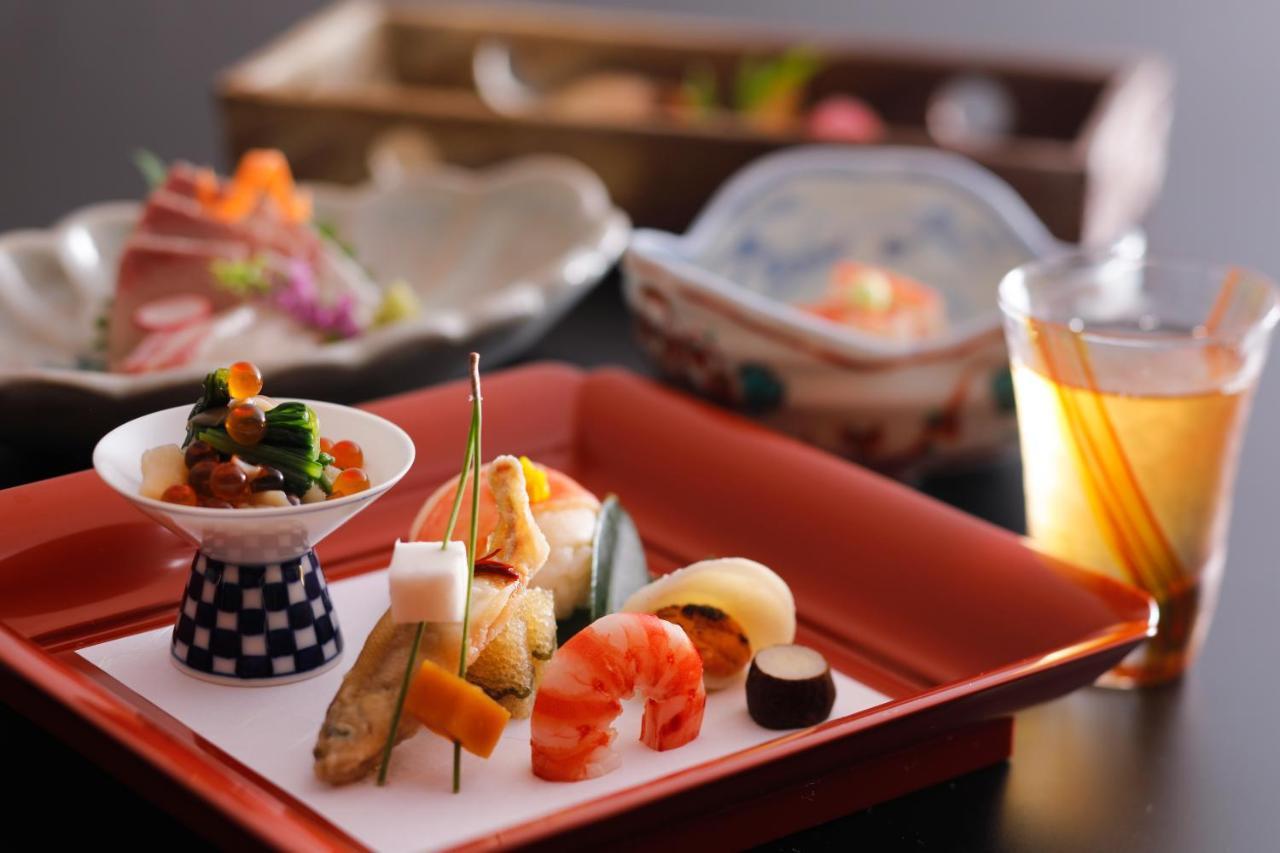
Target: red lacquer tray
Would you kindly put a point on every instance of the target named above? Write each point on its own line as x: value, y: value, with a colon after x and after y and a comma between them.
x: 958, y: 621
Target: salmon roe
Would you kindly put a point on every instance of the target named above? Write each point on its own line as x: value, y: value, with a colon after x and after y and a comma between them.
x: 351, y: 481
x: 347, y: 454
x: 198, y: 476
x: 228, y: 481
x: 244, y: 380
x: 179, y: 493
x: 246, y: 424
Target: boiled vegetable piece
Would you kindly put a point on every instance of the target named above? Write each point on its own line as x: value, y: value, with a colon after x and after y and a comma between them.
x: 162, y: 467
x: 789, y: 687
x: 456, y: 710
x: 214, y: 395
x: 428, y: 583
x: 291, y: 445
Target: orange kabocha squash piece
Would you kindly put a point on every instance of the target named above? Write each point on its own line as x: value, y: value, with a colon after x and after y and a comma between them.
x: 456, y: 709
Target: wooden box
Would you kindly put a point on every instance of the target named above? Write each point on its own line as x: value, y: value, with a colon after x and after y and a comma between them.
x: 1087, y: 149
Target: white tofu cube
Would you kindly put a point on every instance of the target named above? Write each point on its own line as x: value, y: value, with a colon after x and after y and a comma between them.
x: 428, y: 583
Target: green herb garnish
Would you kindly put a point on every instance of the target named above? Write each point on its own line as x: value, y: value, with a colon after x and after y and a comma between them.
x: 213, y: 395
x: 471, y: 543
x: 242, y: 278
x: 299, y: 469
x: 618, y: 564
x: 290, y: 444
x: 153, y: 169
x: 328, y: 231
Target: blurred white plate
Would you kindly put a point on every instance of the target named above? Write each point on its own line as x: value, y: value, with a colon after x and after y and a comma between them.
x: 496, y: 257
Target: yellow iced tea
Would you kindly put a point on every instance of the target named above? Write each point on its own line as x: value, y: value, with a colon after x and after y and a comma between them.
x: 1133, y: 477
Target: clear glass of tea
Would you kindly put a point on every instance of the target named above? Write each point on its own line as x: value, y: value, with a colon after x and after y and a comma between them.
x: 1133, y: 381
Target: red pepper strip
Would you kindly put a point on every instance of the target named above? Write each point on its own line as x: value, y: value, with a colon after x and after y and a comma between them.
x: 487, y: 565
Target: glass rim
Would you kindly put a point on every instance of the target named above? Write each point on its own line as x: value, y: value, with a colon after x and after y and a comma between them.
x: 1083, y: 258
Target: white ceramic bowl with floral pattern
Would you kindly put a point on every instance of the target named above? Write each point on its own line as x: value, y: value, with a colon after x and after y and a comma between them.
x: 495, y: 257
x: 715, y: 307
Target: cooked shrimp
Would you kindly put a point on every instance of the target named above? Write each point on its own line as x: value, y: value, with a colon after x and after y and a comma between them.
x: 582, y: 685
x: 359, y: 717
x: 565, y: 513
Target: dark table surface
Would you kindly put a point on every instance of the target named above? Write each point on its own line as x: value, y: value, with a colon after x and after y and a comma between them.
x: 1191, y: 767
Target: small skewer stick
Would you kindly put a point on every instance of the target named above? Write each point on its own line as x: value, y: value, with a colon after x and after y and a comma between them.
x: 471, y: 542
x: 470, y: 463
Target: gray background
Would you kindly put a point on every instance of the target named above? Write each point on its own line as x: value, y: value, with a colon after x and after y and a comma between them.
x: 1194, y: 767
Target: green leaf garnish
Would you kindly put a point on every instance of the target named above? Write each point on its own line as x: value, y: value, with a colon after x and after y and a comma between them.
x: 618, y: 568
x: 618, y: 564
x: 328, y: 231
x: 153, y: 169
x: 214, y: 393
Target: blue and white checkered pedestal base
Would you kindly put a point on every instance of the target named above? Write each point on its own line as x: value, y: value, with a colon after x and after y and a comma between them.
x: 263, y: 624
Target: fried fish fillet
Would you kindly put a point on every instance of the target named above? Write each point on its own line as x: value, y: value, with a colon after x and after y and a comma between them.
x: 355, y: 727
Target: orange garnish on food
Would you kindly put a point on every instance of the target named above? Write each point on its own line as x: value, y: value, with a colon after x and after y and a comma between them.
x: 535, y: 479
x: 455, y: 709
x: 262, y: 173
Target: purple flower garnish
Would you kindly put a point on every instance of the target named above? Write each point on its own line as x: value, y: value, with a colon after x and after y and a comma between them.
x: 299, y: 297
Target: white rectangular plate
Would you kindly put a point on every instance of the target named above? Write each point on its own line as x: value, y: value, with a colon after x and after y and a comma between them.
x: 272, y: 731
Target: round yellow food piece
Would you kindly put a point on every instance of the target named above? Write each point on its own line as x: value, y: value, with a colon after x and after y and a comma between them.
x: 750, y: 593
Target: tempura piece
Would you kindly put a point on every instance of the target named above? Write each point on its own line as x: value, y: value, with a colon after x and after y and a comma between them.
x: 355, y: 727
x: 509, y: 668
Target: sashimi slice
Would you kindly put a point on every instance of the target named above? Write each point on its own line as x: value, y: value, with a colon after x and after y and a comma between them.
x: 172, y: 312
x: 166, y: 349
x: 157, y: 267
x: 182, y: 216
x: 165, y: 278
x: 181, y: 179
